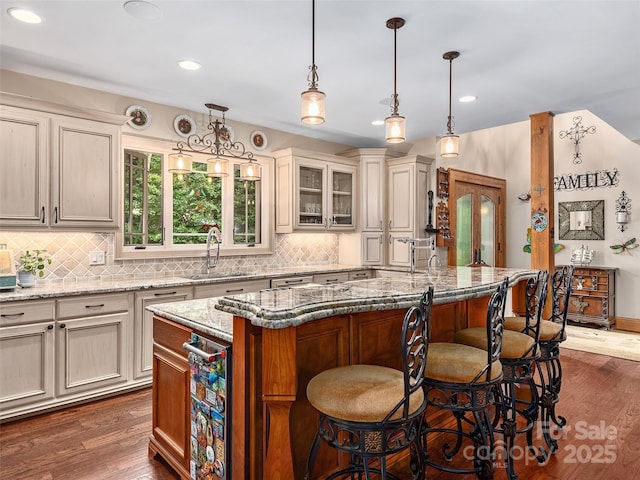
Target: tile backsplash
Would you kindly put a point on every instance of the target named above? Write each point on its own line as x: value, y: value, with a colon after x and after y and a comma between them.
x: 70, y: 254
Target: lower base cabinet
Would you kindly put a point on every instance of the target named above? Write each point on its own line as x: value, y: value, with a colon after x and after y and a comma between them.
x: 143, y: 325
x: 93, y: 342
x: 171, y: 424
x: 26, y: 382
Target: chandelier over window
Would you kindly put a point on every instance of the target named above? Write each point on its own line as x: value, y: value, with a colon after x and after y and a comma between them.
x: 218, y: 144
x: 395, y: 127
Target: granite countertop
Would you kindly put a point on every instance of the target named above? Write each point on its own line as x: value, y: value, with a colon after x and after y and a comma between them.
x: 291, y: 306
x: 286, y: 307
x: 90, y: 285
x: 198, y: 314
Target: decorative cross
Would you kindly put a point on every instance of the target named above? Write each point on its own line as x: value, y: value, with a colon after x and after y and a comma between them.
x: 539, y: 189
x: 576, y: 133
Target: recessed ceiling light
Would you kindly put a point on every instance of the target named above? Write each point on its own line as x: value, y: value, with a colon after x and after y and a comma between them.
x: 24, y: 15
x: 189, y: 65
x: 467, y: 99
x: 142, y: 10
x: 377, y: 122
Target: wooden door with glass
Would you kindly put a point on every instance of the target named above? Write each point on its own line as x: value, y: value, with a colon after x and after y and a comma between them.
x: 478, y: 218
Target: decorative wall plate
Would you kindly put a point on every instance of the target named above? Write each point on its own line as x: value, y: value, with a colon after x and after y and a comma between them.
x: 184, y: 125
x: 259, y: 140
x: 539, y: 221
x: 140, y: 117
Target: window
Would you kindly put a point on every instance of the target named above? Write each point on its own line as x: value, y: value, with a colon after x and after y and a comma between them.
x: 168, y: 215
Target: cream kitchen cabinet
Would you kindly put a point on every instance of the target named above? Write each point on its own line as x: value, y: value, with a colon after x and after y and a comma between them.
x: 27, y: 362
x: 315, y: 192
x: 409, y: 179
x: 65, y: 166
x: 93, y: 342
x: 143, y: 324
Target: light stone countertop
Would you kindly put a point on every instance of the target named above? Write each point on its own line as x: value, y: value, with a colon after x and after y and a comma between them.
x: 90, y: 285
x: 200, y: 314
x: 291, y: 306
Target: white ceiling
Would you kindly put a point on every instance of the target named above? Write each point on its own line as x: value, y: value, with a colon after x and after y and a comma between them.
x: 518, y: 57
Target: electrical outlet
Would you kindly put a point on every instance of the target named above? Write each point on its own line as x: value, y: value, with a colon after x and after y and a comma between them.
x: 97, y: 258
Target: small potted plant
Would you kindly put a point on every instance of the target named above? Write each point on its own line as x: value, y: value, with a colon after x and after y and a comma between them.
x: 30, y: 264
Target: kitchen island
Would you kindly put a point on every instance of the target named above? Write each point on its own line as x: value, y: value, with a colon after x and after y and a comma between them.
x: 283, y: 337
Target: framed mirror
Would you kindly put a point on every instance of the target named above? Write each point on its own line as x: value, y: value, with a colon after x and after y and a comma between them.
x: 581, y: 220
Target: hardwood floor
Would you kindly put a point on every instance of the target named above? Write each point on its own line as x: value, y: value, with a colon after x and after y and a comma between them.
x: 107, y: 439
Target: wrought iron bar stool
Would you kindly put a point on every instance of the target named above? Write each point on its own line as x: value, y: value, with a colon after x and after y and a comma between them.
x: 370, y: 411
x: 552, y: 333
x: 518, y: 395
x: 462, y: 379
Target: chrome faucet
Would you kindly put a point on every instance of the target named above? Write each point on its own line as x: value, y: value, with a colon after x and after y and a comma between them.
x: 413, y: 247
x: 431, y: 259
x: 214, y: 232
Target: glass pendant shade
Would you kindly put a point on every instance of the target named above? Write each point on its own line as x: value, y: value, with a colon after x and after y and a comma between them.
x: 217, y: 167
x: 395, y: 129
x: 180, y: 163
x: 249, y: 171
x: 449, y: 145
x: 312, y: 112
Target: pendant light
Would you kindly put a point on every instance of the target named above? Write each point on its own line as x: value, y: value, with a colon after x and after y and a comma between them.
x: 449, y: 143
x: 313, y: 99
x: 217, y: 167
x: 180, y: 163
x: 395, y: 128
x: 250, y: 171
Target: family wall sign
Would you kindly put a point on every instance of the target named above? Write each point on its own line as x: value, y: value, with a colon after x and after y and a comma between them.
x: 586, y: 181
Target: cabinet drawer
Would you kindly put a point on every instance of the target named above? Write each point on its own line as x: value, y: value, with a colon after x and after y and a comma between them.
x: 360, y: 275
x: 15, y: 313
x: 330, y: 278
x: 171, y: 335
x: 291, y: 281
x: 92, y: 305
x: 230, y: 288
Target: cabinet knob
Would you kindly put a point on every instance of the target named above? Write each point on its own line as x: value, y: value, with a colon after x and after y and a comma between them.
x: 63, y: 325
x: 49, y: 327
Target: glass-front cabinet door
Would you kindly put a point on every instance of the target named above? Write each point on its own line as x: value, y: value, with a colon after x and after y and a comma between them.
x: 325, y: 196
x: 311, y: 195
x: 342, y: 198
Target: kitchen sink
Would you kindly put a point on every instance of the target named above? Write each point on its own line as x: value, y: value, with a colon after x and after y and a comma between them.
x: 205, y: 276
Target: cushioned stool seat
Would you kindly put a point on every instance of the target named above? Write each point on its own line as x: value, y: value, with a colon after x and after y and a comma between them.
x: 450, y: 362
x: 514, y: 344
x: 361, y: 393
x: 548, y: 330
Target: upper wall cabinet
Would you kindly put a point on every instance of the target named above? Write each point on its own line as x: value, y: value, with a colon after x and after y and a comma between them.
x: 314, y: 192
x: 59, y: 167
x: 409, y: 180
